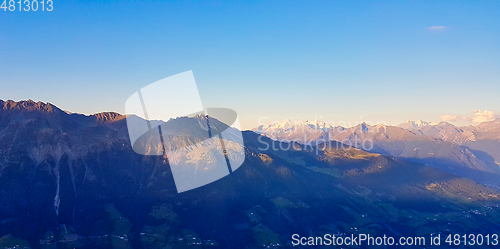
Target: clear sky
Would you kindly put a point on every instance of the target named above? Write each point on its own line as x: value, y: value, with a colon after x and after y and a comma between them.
x: 336, y: 61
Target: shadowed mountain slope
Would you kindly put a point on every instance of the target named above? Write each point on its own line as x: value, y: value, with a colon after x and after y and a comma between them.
x: 73, y: 181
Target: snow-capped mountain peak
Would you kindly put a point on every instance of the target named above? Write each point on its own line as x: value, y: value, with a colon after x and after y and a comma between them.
x: 418, y: 124
x: 288, y: 124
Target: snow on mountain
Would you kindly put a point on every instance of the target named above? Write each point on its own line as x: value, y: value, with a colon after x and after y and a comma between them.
x: 416, y: 124
x: 296, y: 130
x: 442, y: 144
x: 288, y: 124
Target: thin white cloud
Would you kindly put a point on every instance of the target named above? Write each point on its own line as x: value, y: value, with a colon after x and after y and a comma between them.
x: 479, y: 117
x: 437, y: 27
x: 483, y: 116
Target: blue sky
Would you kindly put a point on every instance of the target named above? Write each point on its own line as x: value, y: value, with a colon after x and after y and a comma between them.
x: 329, y: 60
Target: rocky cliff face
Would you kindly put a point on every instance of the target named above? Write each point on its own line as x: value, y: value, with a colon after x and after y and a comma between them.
x: 107, y: 117
x: 51, y: 161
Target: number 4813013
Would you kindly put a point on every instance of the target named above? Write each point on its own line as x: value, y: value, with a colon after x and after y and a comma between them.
x: 27, y: 5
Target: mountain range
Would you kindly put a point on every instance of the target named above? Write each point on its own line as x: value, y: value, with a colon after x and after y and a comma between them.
x: 469, y: 151
x: 74, y: 181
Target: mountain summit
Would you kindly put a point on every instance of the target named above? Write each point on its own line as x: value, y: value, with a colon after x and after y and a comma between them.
x: 416, y: 124
x: 28, y: 106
